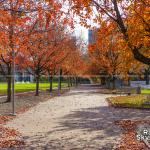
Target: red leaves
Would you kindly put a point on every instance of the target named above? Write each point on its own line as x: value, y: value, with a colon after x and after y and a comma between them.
x: 4, y: 119
x: 10, y: 143
x: 129, y: 141
x: 6, y: 132
x: 8, y: 138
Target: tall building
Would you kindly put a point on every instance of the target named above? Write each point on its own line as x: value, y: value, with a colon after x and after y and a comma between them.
x: 92, y: 36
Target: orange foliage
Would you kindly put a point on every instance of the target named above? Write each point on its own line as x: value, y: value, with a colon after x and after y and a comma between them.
x: 132, y: 20
x: 111, y: 54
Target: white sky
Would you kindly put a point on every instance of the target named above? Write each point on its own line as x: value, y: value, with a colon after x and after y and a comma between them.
x: 82, y: 32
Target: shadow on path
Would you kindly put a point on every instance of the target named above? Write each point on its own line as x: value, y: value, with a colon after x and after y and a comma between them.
x: 86, y: 129
x: 88, y: 121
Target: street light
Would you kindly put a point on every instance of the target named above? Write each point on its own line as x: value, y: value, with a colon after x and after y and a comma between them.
x: 13, y: 82
x: 59, y: 81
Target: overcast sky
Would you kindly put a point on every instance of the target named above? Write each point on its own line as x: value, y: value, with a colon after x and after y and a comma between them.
x: 81, y: 31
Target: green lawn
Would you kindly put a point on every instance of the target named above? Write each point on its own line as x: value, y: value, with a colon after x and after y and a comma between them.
x: 145, y: 91
x: 25, y: 87
x: 136, y: 101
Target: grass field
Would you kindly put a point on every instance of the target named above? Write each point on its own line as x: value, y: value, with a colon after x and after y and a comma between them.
x: 133, y: 101
x: 136, y: 101
x: 145, y: 91
x: 25, y: 87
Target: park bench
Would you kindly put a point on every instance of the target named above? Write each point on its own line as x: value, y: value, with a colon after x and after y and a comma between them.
x: 123, y: 91
x: 129, y: 90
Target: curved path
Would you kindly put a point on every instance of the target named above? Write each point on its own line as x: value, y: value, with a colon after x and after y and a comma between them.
x: 78, y: 120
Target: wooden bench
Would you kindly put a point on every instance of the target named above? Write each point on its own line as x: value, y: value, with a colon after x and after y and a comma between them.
x: 127, y: 90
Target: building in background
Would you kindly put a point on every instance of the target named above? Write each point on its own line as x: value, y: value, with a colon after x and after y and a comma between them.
x: 92, y: 36
x: 23, y: 76
x: 20, y: 76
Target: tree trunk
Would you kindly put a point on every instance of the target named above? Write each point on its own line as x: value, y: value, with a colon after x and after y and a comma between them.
x: 60, y: 79
x: 37, y: 86
x: 140, y: 57
x: 69, y: 82
x: 147, y: 79
x: 76, y: 80
x: 8, y: 89
x: 113, y: 82
x: 109, y: 82
x: 103, y: 80
x: 129, y: 83
x: 51, y: 83
x: 135, y: 50
x: 79, y: 80
x: 72, y: 81
x: 147, y: 76
x: 9, y: 85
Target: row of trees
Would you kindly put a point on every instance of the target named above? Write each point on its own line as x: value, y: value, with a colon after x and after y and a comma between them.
x: 37, y: 35
x: 131, y: 19
x: 110, y: 56
x: 122, y: 43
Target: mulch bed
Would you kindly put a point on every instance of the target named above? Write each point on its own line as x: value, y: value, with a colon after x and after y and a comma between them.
x: 128, y: 140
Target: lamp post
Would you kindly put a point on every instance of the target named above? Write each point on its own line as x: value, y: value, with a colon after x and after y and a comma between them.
x: 13, y: 82
x: 59, y: 81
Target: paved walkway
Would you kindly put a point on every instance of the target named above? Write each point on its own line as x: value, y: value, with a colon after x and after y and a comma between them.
x: 78, y: 120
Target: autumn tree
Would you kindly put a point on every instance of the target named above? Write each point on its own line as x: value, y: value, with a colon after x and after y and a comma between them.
x: 74, y: 65
x: 60, y: 45
x: 40, y: 50
x: 111, y: 54
x: 45, y: 40
x: 131, y: 18
x: 13, y: 22
x: 105, y: 52
x: 17, y: 22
